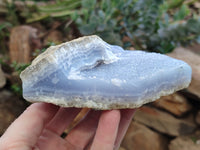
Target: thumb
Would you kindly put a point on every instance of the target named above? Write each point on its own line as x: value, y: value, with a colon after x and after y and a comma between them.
x: 26, y: 129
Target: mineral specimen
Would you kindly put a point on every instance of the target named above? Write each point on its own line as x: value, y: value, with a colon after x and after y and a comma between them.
x: 88, y: 72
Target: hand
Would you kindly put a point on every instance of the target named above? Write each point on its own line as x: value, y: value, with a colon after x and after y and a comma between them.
x: 40, y: 127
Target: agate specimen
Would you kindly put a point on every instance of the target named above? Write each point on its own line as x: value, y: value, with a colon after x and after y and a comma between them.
x: 88, y: 72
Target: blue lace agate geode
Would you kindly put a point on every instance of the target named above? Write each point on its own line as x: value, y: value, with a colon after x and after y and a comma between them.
x: 88, y: 72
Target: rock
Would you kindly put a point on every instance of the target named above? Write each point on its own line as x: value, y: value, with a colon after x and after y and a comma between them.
x: 2, y: 78
x: 197, y: 118
x: 194, y: 48
x: 197, y: 4
x: 21, y: 48
x: 191, y: 142
x: 194, y: 61
x: 164, y: 122
x: 175, y: 104
x: 54, y: 36
x: 88, y: 72
x: 10, y: 108
x: 139, y: 137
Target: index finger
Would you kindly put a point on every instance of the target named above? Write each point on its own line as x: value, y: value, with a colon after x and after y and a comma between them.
x: 107, y: 130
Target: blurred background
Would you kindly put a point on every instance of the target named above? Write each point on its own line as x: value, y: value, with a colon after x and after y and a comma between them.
x: 170, y: 27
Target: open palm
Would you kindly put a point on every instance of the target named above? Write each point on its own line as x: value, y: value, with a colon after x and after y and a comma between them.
x: 40, y: 127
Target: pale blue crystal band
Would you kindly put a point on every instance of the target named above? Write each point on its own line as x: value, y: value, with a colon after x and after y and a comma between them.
x: 88, y: 72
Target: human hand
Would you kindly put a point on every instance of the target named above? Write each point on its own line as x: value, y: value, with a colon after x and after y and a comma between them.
x: 40, y: 127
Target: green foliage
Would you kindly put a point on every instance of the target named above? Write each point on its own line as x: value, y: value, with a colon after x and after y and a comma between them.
x: 3, y: 26
x: 155, y: 25
x: 11, y: 15
x: 61, y: 9
x: 143, y: 23
x: 148, y: 23
x: 194, y: 139
x: 177, y: 34
x: 32, y: 11
x: 38, y: 52
x: 100, y: 18
x: 17, y: 89
x: 174, y: 3
x: 4, y: 33
x: 18, y: 67
x: 182, y: 13
x: 159, y: 33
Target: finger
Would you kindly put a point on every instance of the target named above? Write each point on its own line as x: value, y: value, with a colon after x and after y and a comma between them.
x: 126, y: 118
x: 62, y: 119
x: 83, y: 133
x: 107, y: 130
x: 28, y: 127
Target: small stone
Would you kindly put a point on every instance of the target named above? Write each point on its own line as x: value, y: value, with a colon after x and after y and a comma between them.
x: 2, y: 78
x: 88, y: 72
x: 197, y: 5
x: 21, y: 48
x: 139, y: 137
x: 174, y: 103
x: 194, y: 61
x: 54, y: 36
x: 191, y: 142
x: 164, y: 122
x: 194, y: 48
